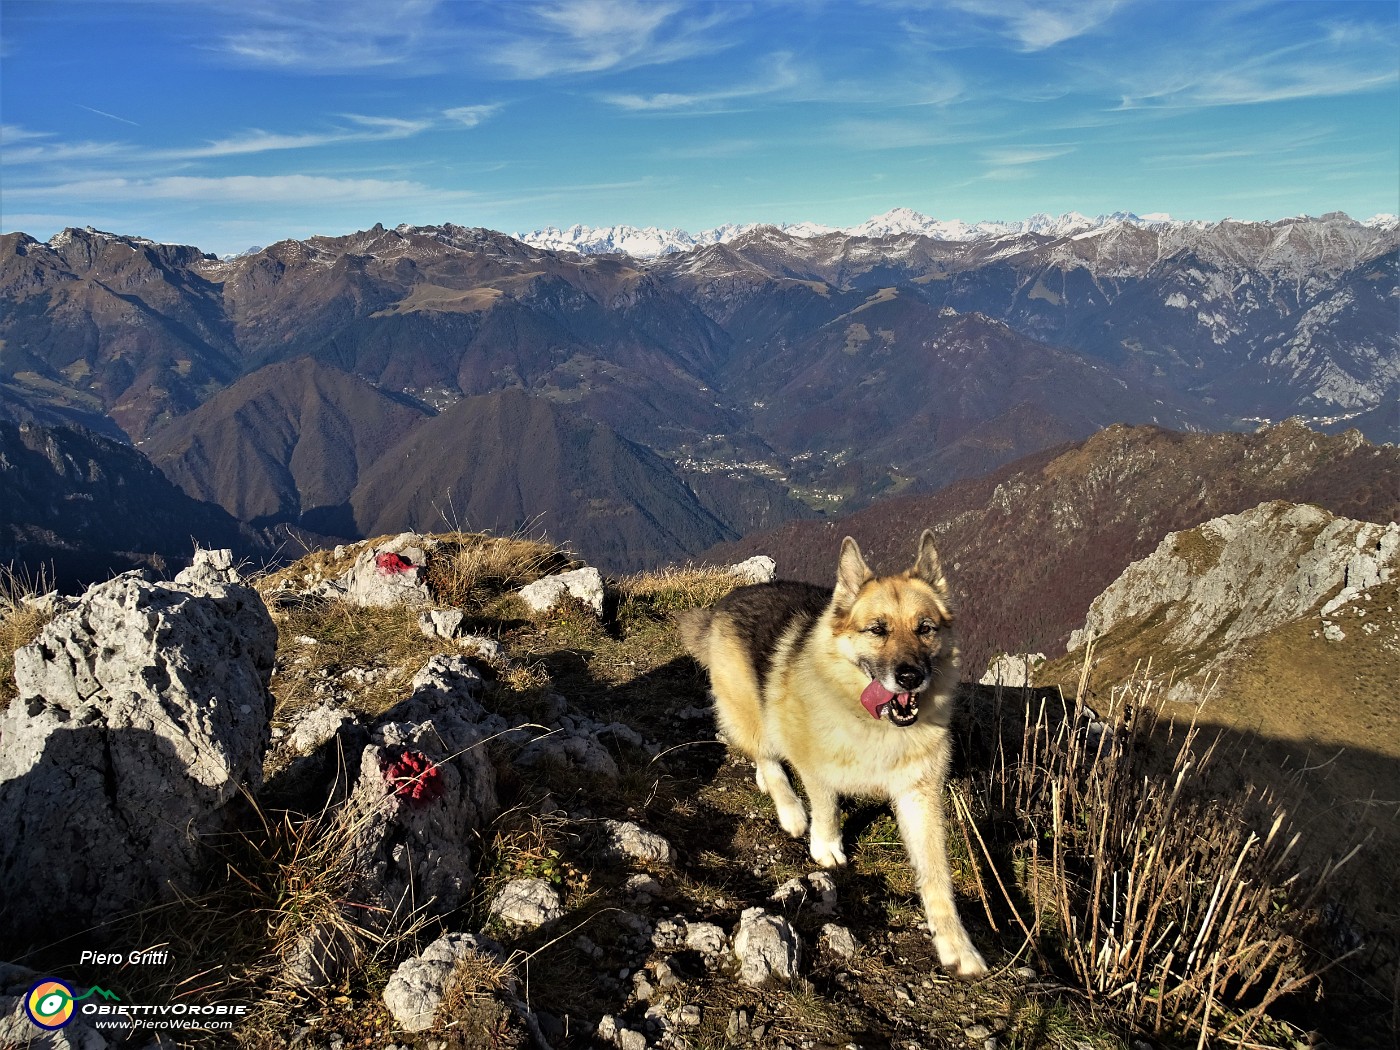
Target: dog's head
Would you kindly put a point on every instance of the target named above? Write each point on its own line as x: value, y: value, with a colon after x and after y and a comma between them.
x: 896, y: 629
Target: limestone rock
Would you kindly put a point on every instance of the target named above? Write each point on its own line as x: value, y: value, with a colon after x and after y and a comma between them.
x: 585, y: 584
x: 527, y: 902
x: 140, y: 714
x: 441, y: 623
x: 758, y: 569
x: 426, y: 788
x: 315, y: 727
x: 839, y: 941
x: 622, y: 838
x: 1240, y: 575
x: 1012, y: 670
x: 766, y: 947
x: 418, y: 986
x: 389, y: 573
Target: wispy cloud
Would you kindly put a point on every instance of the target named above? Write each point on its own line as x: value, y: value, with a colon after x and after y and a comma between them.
x: 321, y: 38
x: 31, y: 147
x: 1017, y: 156
x: 1239, y: 58
x: 782, y: 76
x: 471, y: 116
x: 568, y: 37
x: 238, y: 189
x: 1030, y: 25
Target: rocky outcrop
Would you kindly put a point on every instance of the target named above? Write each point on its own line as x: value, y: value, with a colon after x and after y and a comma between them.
x: 1205, y: 594
x: 426, y: 789
x: 586, y: 585
x: 1240, y: 575
x: 141, y: 713
x: 389, y: 573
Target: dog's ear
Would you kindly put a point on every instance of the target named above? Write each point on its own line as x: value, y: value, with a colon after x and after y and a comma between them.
x: 927, y: 567
x: 851, y: 572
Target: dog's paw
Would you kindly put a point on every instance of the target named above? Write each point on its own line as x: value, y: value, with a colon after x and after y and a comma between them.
x: 828, y: 854
x: 960, y: 959
x: 793, y: 819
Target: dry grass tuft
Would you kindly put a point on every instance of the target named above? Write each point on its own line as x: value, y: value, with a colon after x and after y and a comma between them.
x: 1183, y: 910
x: 467, y: 570
x: 22, y: 617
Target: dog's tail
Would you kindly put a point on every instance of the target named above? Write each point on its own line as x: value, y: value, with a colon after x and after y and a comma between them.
x: 694, y: 627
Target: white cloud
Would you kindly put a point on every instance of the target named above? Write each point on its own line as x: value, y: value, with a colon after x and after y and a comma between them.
x: 471, y: 116
x: 567, y: 37
x: 346, y: 36
x: 1018, y: 156
x: 260, y: 189
x: 783, y: 76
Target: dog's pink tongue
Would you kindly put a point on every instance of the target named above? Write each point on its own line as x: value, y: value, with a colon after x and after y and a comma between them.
x: 875, y: 697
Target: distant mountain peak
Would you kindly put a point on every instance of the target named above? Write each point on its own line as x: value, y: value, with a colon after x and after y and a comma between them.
x: 651, y: 242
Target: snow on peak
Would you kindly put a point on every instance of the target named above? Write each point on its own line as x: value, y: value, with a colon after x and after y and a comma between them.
x: 651, y: 242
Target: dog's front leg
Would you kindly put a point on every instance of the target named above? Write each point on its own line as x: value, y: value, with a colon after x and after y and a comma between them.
x: 772, y: 778
x: 826, y: 822
x: 920, y: 816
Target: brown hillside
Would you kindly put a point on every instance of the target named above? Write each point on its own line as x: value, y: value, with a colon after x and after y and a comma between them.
x: 1032, y: 544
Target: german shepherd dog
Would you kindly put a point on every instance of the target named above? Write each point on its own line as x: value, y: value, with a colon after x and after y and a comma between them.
x: 852, y: 688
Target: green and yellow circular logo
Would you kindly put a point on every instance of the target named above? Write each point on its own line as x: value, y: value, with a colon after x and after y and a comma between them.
x: 49, y: 1004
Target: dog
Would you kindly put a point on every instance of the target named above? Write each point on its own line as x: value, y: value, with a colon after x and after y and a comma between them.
x: 852, y: 688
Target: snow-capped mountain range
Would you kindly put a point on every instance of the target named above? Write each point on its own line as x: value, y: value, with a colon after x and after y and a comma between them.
x: 650, y: 242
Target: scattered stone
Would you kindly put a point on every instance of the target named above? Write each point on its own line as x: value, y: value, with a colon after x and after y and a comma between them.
x: 585, y: 584
x: 141, y: 714
x: 315, y: 727
x: 818, y: 888
x: 441, y: 623
x: 610, y: 1031
x: 737, y: 1030
x: 1332, y: 632
x: 708, y: 940
x: 418, y: 986
x: 689, y: 1016
x: 766, y: 946
x: 527, y: 902
x: 1026, y: 973
x: 389, y: 574
x: 624, y: 839
x: 758, y: 569
x: 642, y: 888
x: 977, y: 1033
x: 1012, y: 670
x: 482, y: 648
x: 839, y: 941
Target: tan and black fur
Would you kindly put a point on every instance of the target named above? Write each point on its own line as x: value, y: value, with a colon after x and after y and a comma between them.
x: 789, y: 666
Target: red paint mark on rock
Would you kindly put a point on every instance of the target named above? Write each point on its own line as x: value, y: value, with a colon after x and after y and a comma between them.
x: 391, y: 564
x: 414, y: 776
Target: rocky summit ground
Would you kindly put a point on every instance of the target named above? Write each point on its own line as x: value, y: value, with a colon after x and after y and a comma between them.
x: 488, y: 817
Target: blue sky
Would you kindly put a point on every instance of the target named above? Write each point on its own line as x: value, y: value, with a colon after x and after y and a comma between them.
x: 228, y: 124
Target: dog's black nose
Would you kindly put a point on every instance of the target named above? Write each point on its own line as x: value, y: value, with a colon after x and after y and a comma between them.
x: 908, y: 676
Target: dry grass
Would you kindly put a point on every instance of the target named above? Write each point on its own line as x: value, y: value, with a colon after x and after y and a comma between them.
x: 468, y: 569
x: 22, y: 617
x: 1182, y: 909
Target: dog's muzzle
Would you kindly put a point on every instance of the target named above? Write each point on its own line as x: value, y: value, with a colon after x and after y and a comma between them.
x: 902, y: 708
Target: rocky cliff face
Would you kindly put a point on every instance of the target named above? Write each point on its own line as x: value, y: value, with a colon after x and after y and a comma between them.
x: 1209, y: 589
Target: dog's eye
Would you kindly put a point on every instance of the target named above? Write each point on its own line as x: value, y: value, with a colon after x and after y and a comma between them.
x: 926, y: 627
x: 878, y: 629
